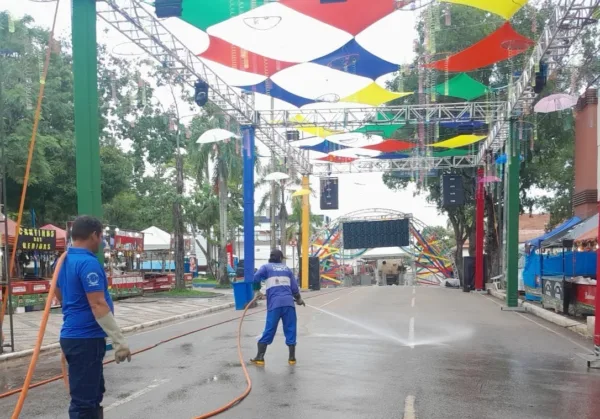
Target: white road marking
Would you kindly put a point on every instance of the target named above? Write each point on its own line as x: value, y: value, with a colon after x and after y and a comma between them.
x: 585, y: 348
x: 412, y: 304
x: 414, y: 290
x: 133, y: 396
x: 409, y: 408
x: 411, y: 333
x: 335, y: 299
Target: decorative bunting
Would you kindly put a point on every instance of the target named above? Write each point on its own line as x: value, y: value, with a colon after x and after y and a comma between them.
x: 205, y: 13
x: 390, y: 146
x: 324, y: 146
x: 503, y: 8
x: 462, y: 86
x: 354, y: 59
x: 374, y: 95
x: 392, y: 156
x: 337, y: 159
x: 230, y: 55
x: 313, y: 129
x: 385, y: 131
x: 459, y: 141
x: 269, y: 88
x: 352, y: 16
x: 500, y: 45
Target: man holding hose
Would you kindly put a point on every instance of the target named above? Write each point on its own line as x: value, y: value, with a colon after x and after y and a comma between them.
x: 87, y: 308
x: 281, y: 292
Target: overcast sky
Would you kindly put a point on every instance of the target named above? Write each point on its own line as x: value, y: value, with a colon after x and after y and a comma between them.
x: 357, y: 191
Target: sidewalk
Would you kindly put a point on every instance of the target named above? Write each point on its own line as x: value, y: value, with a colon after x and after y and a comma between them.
x: 576, y: 325
x: 132, y: 315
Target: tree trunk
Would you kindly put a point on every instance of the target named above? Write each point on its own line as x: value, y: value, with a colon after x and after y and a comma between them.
x: 492, y: 239
x: 179, y: 227
x: 223, y: 276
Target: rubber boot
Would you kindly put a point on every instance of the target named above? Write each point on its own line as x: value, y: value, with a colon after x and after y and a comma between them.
x: 260, y: 355
x: 292, y: 357
x: 100, y: 412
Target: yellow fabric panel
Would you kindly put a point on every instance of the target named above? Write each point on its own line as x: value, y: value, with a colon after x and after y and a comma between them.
x: 459, y: 141
x: 313, y: 129
x: 504, y: 8
x: 374, y: 95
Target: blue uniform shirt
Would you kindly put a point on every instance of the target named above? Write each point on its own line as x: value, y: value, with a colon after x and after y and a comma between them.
x: 281, y: 285
x: 81, y: 274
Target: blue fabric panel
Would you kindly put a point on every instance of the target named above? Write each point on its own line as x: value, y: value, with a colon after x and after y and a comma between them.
x: 537, y: 242
x: 354, y: 59
x: 324, y: 146
x: 269, y: 88
x: 392, y: 156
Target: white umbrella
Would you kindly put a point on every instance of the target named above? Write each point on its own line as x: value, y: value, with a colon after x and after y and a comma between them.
x: 275, y: 176
x: 554, y: 103
x: 216, y: 135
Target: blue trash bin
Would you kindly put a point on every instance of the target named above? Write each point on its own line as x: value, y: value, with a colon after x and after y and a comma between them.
x: 242, y: 294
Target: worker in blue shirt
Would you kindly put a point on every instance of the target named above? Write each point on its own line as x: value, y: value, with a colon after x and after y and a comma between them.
x: 88, y: 319
x: 281, y: 292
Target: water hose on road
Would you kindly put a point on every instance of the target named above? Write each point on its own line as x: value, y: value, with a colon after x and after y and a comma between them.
x: 23, y: 390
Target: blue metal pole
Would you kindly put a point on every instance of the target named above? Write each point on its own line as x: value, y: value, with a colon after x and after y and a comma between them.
x: 248, y: 158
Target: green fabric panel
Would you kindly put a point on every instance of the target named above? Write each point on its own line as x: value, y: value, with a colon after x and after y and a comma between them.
x: 205, y: 13
x: 451, y: 153
x: 386, y: 131
x: 462, y: 86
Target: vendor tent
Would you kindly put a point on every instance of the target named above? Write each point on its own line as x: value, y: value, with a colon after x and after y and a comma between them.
x: 156, y: 239
x: 12, y: 228
x: 572, y: 233
x: 567, y: 225
x: 385, y: 253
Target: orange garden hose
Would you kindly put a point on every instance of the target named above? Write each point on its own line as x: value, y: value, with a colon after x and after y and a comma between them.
x: 36, y: 121
x: 27, y: 385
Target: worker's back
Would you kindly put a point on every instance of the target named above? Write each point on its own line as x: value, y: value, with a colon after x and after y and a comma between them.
x: 281, y: 285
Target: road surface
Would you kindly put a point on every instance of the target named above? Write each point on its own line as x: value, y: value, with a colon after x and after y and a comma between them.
x: 375, y: 352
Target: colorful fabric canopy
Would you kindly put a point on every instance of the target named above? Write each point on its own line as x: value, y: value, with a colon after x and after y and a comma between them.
x: 374, y: 95
x: 205, y: 13
x: 337, y: 159
x: 463, y: 124
x: 390, y: 146
x: 352, y: 16
x: 392, y: 156
x: 223, y: 52
x: 459, y: 141
x: 324, y: 146
x: 451, y: 153
x: 313, y: 129
x: 462, y: 86
x: 500, y: 45
x: 504, y: 8
x: 354, y: 59
x: 269, y: 88
x: 385, y: 131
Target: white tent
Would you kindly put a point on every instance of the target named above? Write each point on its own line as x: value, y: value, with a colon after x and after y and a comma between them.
x: 156, y: 239
x: 385, y: 253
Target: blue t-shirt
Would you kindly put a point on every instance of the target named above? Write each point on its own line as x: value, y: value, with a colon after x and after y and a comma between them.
x: 281, y: 285
x: 81, y: 274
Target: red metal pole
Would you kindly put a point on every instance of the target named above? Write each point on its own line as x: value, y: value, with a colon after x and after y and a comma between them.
x: 479, y: 231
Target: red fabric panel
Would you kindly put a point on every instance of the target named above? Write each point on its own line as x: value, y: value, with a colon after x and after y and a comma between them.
x: 223, y: 52
x: 352, y: 16
x: 391, y: 146
x: 337, y: 159
x: 500, y: 45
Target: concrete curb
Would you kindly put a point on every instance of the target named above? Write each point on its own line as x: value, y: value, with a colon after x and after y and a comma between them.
x: 126, y: 330
x: 555, y: 318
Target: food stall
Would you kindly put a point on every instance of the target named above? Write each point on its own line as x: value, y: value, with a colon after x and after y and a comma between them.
x: 123, y: 252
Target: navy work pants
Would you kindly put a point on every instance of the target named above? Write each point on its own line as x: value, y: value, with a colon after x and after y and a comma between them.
x: 86, y: 376
x: 288, y: 316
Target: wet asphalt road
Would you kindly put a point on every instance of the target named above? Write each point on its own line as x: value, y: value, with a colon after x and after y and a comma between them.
x: 423, y: 353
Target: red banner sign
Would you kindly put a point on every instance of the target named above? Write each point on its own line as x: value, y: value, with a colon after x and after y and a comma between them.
x: 230, y: 254
x: 129, y: 241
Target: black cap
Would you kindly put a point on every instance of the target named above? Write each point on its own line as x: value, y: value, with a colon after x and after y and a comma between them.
x: 276, y: 255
